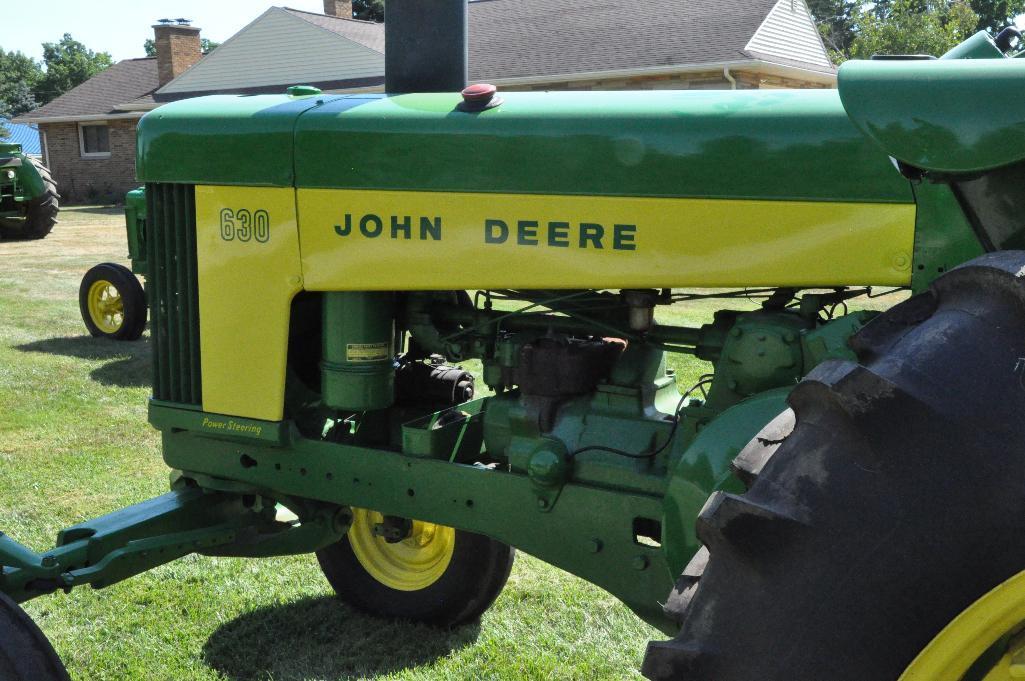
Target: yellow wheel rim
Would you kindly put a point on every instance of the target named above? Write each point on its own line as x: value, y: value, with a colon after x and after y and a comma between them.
x: 106, y: 310
x: 411, y: 564
x: 993, y: 625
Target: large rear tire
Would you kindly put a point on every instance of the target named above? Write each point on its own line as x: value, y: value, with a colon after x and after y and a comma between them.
x: 25, y: 653
x: 433, y: 574
x: 40, y: 214
x: 896, y: 501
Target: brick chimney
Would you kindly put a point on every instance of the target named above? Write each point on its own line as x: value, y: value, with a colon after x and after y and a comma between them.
x: 178, y: 48
x: 338, y: 8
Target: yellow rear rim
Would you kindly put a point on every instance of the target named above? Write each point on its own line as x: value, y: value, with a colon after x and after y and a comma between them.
x: 993, y: 626
x: 106, y: 310
x: 411, y: 564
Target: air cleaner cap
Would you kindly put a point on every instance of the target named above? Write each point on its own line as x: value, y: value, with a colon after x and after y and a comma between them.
x: 479, y: 97
x: 302, y: 90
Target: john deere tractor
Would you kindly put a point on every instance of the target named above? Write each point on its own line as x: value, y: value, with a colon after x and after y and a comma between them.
x: 28, y: 196
x: 841, y: 499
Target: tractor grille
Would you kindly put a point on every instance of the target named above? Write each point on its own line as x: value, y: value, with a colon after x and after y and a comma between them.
x: 173, y: 292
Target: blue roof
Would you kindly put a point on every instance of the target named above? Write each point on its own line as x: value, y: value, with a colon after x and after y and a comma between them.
x: 25, y: 134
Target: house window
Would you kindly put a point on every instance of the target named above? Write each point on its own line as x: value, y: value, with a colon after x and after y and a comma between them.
x: 94, y: 140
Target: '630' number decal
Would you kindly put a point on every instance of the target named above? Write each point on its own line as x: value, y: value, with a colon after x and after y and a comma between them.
x: 245, y: 225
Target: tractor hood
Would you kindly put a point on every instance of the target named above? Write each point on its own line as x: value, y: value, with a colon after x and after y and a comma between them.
x: 776, y: 145
x: 221, y: 139
x: 942, y: 115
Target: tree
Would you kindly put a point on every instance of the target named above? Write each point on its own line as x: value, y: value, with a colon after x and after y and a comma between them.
x: 68, y: 63
x: 18, y: 75
x: 912, y: 27
x: 995, y: 15
x: 854, y: 28
x: 17, y: 98
x: 836, y: 23
x: 205, y: 45
x: 373, y: 10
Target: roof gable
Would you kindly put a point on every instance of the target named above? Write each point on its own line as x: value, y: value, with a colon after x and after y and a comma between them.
x: 283, y: 47
x: 789, y: 33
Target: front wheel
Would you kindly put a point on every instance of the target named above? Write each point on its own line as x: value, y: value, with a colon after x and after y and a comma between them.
x: 893, y: 501
x: 112, y: 302
x: 414, y: 570
x: 25, y: 654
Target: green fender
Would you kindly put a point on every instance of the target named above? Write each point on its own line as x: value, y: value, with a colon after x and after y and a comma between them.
x: 705, y: 467
x: 959, y: 114
x: 135, y: 223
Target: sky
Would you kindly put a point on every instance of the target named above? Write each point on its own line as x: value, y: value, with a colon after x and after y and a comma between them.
x: 120, y: 27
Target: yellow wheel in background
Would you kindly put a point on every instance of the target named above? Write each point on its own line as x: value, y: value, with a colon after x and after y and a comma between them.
x: 988, y: 634
x: 112, y: 302
x: 410, y: 564
x: 415, y: 570
x: 106, y: 309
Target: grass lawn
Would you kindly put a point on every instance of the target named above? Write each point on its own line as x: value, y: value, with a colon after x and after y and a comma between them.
x: 74, y: 443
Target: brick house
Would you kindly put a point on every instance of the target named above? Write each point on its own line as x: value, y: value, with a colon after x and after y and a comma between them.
x: 88, y: 134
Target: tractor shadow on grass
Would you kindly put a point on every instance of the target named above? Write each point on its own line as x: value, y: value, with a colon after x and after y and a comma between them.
x: 322, y: 638
x: 130, y: 365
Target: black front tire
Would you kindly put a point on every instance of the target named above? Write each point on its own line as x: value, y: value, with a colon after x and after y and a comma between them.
x: 129, y: 320
x: 40, y: 213
x: 896, y: 501
x: 25, y: 653
x: 476, y: 573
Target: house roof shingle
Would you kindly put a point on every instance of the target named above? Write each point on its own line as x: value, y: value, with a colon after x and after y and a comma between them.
x: 523, y: 38
x: 520, y: 38
x: 102, y: 94
x: 367, y: 33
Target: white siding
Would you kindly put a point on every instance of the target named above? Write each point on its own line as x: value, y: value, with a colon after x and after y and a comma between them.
x: 789, y: 32
x: 279, y: 48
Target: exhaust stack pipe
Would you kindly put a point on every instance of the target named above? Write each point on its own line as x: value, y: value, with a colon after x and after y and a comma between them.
x: 425, y: 46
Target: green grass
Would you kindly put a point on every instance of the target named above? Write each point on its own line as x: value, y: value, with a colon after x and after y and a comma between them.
x: 74, y: 443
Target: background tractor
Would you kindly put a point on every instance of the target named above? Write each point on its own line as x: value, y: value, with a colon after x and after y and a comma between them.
x: 28, y: 196
x: 110, y: 297
x: 840, y: 497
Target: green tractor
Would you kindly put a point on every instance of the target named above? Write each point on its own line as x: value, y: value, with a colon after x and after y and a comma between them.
x: 841, y: 499
x: 28, y: 196
x: 110, y: 298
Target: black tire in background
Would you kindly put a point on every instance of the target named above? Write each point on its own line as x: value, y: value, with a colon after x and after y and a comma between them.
x: 25, y: 653
x: 897, y: 500
x: 131, y: 298
x: 40, y: 213
x: 475, y: 575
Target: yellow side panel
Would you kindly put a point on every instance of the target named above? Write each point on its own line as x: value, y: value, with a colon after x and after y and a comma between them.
x: 249, y: 271
x: 373, y: 240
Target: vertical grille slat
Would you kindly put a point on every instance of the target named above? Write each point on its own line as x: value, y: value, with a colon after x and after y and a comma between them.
x: 192, y: 290
x: 181, y: 328
x: 174, y: 299
x: 155, y: 286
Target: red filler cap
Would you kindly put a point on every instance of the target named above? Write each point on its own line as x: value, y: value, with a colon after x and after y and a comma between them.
x: 479, y: 95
